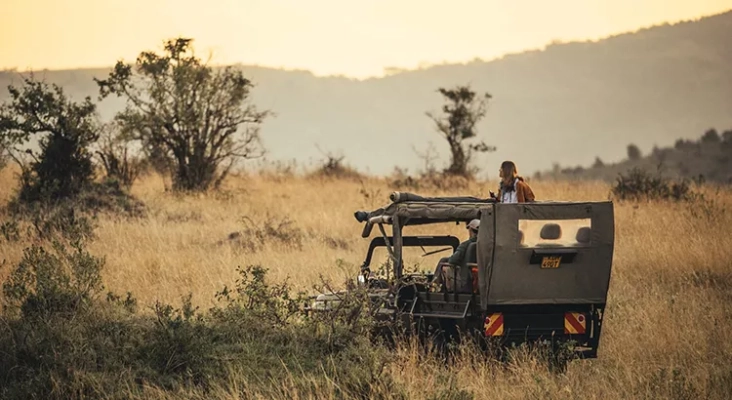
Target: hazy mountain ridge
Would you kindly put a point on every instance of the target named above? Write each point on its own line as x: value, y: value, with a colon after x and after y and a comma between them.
x: 567, y: 103
x: 708, y: 158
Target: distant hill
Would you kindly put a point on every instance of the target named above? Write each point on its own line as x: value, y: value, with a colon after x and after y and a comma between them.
x: 565, y: 104
x: 709, y: 158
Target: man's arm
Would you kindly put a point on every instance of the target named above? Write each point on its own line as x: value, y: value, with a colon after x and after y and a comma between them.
x: 457, y: 257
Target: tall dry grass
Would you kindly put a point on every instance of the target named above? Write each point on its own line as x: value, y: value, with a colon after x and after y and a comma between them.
x: 667, y: 332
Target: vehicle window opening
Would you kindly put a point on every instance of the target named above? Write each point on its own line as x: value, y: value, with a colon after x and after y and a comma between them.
x: 553, y: 233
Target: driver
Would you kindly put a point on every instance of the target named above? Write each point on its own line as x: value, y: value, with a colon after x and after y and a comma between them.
x: 459, y: 255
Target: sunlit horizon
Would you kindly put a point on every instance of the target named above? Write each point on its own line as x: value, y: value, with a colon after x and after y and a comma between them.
x: 324, y: 37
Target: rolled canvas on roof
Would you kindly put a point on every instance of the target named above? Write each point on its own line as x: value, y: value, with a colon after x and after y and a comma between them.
x: 413, y: 213
x: 400, y: 197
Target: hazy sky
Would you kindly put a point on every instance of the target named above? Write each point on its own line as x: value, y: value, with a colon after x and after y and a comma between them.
x: 354, y: 38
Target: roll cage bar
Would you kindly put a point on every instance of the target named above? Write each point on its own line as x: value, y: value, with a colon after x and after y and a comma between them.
x: 410, y: 241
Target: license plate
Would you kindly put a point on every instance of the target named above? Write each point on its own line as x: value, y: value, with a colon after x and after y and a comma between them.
x: 551, y: 261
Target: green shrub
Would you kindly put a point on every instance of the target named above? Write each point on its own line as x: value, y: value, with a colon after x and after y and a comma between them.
x: 113, y: 150
x: 45, y: 283
x: 62, y: 173
x: 638, y: 184
x: 61, y: 340
x: 65, y: 129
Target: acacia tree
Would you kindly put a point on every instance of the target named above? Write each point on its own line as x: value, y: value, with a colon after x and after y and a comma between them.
x: 65, y: 129
x: 198, y: 117
x: 462, y: 112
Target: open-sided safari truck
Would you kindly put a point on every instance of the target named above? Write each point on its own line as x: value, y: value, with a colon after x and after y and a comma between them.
x: 537, y: 271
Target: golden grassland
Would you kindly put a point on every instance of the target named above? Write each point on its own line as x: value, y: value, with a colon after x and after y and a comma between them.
x: 669, y: 305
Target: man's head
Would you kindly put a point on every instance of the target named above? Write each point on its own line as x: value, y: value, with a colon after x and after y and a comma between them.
x: 473, y: 227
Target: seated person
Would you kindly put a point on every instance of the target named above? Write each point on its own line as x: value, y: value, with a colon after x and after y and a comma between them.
x: 458, y: 256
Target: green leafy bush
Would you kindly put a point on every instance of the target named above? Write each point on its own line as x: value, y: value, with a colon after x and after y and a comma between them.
x: 62, y: 172
x: 65, y: 129
x: 638, y: 184
x: 60, y: 339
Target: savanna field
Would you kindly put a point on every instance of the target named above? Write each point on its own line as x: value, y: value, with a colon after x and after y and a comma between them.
x: 666, y: 332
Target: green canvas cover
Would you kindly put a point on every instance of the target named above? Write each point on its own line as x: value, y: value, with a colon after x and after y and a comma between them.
x: 506, y: 274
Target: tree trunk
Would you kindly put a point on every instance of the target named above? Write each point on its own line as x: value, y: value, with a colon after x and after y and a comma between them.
x: 458, y: 164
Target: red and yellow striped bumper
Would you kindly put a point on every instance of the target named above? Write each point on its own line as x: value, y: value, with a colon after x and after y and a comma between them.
x: 494, y: 325
x: 575, y: 323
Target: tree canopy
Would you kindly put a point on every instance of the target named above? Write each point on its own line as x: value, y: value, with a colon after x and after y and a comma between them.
x: 462, y: 112
x: 66, y: 129
x: 183, y: 109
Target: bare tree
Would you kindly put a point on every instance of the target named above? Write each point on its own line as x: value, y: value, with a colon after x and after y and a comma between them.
x: 120, y: 162
x: 198, y: 117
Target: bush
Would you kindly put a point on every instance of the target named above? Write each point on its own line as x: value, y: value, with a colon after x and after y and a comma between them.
x: 64, y: 166
x: 727, y: 137
x: 60, y: 340
x: 63, y: 170
x: 278, y: 231
x: 634, y: 153
x: 119, y: 165
x: 3, y: 154
x: 62, y: 174
x: 10, y: 231
x: 429, y: 180
x: 58, y: 282
x: 638, y: 184
x: 334, y: 167
x: 711, y: 136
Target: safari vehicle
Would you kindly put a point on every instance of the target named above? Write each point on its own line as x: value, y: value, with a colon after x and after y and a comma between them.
x: 537, y: 271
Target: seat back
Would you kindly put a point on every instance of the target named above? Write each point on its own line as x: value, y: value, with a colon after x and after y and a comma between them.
x: 469, y: 270
x: 471, y: 255
x: 583, y: 236
x: 550, y: 231
x: 463, y: 278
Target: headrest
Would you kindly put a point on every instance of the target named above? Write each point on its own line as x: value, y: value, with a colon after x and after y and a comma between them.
x: 471, y: 254
x: 551, y: 231
x: 583, y: 235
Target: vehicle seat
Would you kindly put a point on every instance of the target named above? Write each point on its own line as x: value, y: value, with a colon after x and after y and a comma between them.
x: 469, y: 270
x: 550, y: 231
x: 466, y: 273
x: 471, y: 254
x: 521, y: 238
x: 583, y: 235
